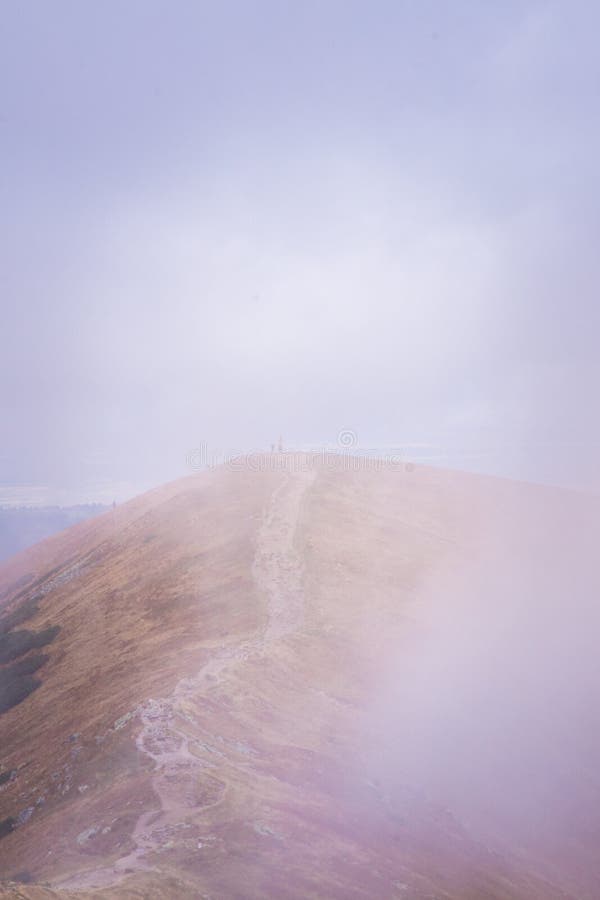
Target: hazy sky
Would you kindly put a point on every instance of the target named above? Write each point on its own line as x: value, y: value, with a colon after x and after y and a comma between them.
x: 223, y: 221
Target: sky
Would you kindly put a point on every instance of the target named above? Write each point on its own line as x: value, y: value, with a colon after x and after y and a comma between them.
x: 222, y: 222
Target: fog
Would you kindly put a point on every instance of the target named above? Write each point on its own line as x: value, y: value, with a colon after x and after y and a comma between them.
x: 223, y: 222
x: 491, y: 711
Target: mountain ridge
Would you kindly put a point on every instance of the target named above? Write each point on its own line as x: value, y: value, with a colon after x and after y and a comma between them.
x: 206, y: 709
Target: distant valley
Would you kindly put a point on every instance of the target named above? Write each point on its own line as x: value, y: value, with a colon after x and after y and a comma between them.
x: 21, y: 527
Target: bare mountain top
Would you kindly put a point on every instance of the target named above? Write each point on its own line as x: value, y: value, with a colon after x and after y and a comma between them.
x: 305, y: 677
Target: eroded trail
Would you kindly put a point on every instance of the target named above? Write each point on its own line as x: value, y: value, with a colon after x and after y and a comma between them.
x: 278, y: 568
x: 182, y: 752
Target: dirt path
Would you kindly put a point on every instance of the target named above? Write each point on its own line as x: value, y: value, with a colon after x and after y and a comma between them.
x: 278, y: 569
x: 278, y: 575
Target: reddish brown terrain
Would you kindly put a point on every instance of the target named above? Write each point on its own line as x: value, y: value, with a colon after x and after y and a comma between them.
x: 305, y: 678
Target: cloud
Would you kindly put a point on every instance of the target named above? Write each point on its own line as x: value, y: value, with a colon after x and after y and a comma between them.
x: 383, y: 220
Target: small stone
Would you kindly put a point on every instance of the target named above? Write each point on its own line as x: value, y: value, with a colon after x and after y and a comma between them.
x: 84, y: 836
x: 25, y: 815
x: 123, y: 720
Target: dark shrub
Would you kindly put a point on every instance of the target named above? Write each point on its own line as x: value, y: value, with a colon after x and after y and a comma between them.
x: 22, y: 613
x: 16, y: 682
x: 26, y: 666
x: 23, y: 877
x: 6, y: 826
x: 16, y: 690
x: 17, y: 643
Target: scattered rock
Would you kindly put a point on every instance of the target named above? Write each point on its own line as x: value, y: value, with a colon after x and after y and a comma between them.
x: 245, y: 748
x: 24, y: 816
x: 84, y: 836
x: 123, y: 720
x: 266, y: 831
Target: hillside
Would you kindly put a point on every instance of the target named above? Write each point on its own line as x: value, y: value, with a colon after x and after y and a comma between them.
x: 305, y: 678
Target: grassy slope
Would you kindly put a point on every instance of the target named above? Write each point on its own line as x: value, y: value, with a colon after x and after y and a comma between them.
x: 282, y: 802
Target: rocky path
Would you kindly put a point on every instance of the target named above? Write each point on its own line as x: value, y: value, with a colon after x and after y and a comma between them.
x: 177, y: 756
x: 278, y: 568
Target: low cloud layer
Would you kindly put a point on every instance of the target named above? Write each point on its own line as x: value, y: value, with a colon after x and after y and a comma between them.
x: 225, y: 223
x: 490, y: 711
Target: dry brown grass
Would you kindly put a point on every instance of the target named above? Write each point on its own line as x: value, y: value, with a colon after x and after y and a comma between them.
x: 280, y: 802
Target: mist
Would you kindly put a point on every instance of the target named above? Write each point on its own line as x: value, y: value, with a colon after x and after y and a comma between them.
x: 489, y: 711
x: 224, y: 223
